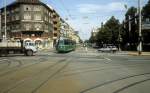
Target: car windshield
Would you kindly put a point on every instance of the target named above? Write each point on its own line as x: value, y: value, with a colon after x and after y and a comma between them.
x: 74, y: 46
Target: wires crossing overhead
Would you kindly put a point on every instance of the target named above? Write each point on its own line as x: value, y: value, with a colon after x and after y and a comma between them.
x: 66, y: 9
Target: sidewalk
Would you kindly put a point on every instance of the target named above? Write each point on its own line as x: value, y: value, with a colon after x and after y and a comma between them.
x: 47, y: 50
x: 134, y: 53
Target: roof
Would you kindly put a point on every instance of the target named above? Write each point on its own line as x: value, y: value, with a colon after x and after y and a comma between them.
x: 17, y: 2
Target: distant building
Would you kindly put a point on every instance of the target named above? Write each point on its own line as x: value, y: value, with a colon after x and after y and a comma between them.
x: 68, y: 32
x: 31, y: 20
x: 94, y: 32
x: 56, y: 26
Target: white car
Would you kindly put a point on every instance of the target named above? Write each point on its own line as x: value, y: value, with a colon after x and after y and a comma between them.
x: 108, y: 49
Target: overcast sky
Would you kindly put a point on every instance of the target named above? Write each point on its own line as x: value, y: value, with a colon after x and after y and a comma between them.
x: 84, y: 15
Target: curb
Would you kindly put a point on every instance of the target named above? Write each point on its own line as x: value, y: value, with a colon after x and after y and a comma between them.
x: 136, y: 54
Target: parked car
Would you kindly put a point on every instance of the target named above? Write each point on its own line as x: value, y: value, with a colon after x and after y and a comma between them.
x: 108, y: 49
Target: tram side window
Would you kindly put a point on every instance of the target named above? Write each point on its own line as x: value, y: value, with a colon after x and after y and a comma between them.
x: 60, y: 42
x: 66, y: 42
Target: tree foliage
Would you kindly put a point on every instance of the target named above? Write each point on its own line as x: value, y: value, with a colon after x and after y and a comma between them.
x: 108, y: 34
x: 128, y: 29
x: 146, y: 10
x: 131, y: 27
x: 146, y: 15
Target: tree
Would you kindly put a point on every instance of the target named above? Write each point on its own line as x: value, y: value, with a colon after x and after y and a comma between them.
x: 109, y: 33
x: 113, y: 26
x: 146, y: 10
x: 130, y: 32
x: 146, y: 19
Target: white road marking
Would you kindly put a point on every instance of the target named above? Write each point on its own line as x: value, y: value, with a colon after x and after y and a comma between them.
x: 107, y: 59
x: 3, y: 59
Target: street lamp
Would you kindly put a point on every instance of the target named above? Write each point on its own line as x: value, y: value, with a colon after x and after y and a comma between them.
x: 140, y: 28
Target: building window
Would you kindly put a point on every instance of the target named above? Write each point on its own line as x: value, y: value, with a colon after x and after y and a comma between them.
x: 46, y: 27
x: 27, y: 16
x: 8, y: 27
x: 55, y: 28
x: 37, y: 26
x: 17, y: 17
x: 147, y: 20
x: 54, y: 16
x: 12, y: 10
x: 46, y: 18
x: 33, y: 35
x: 12, y: 27
x: 55, y: 34
x: 27, y: 8
x: 8, y: 19
x: 17, y: 27
x: 49, y: 13
x: 37, y: 17
x: 16, y: 9
x: 50, y: 20
x: 13, y: 18
x: 27, y: 26
x: 37, y: 8
x: 55, y: 22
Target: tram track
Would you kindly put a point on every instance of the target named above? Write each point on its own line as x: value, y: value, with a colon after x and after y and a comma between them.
x: 119, y: 79
x: 5, y: 61
x: 104, y: 65
x: 95, y: 69
x: 36, y: 75
x: 21, y: 66
x: 11, y: 62
x: 131, y: 85
x: 51, y: 76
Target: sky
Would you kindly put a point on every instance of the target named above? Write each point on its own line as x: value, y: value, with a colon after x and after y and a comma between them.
x: 84, y: 15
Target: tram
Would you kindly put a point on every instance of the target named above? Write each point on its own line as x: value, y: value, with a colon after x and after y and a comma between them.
x: 65, y: 45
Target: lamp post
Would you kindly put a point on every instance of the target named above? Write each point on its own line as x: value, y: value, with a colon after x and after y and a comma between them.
x: 140, y: 28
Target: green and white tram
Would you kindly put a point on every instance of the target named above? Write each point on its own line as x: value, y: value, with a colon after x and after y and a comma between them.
x: 65, y: 45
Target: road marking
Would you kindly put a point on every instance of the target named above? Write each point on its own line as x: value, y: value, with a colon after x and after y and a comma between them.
x: 4, y: 60
x: 107, y: 59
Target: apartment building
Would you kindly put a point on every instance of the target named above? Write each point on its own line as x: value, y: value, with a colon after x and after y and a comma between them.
x: 29, y: 20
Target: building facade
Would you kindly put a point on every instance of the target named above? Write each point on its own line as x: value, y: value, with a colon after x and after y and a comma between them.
x: 68, y: 32
x: 29, y: 20
x: 34, y: 21
x: 0, y: 28
x: 56, y: 27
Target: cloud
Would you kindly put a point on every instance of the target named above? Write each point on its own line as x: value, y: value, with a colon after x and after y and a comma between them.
x: 95, y: 8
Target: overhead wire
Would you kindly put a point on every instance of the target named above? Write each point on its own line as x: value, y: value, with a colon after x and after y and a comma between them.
x: 67, y: 10
x: 56, y: 7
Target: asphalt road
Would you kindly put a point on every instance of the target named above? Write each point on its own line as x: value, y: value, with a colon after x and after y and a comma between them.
x: 75, y: 72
